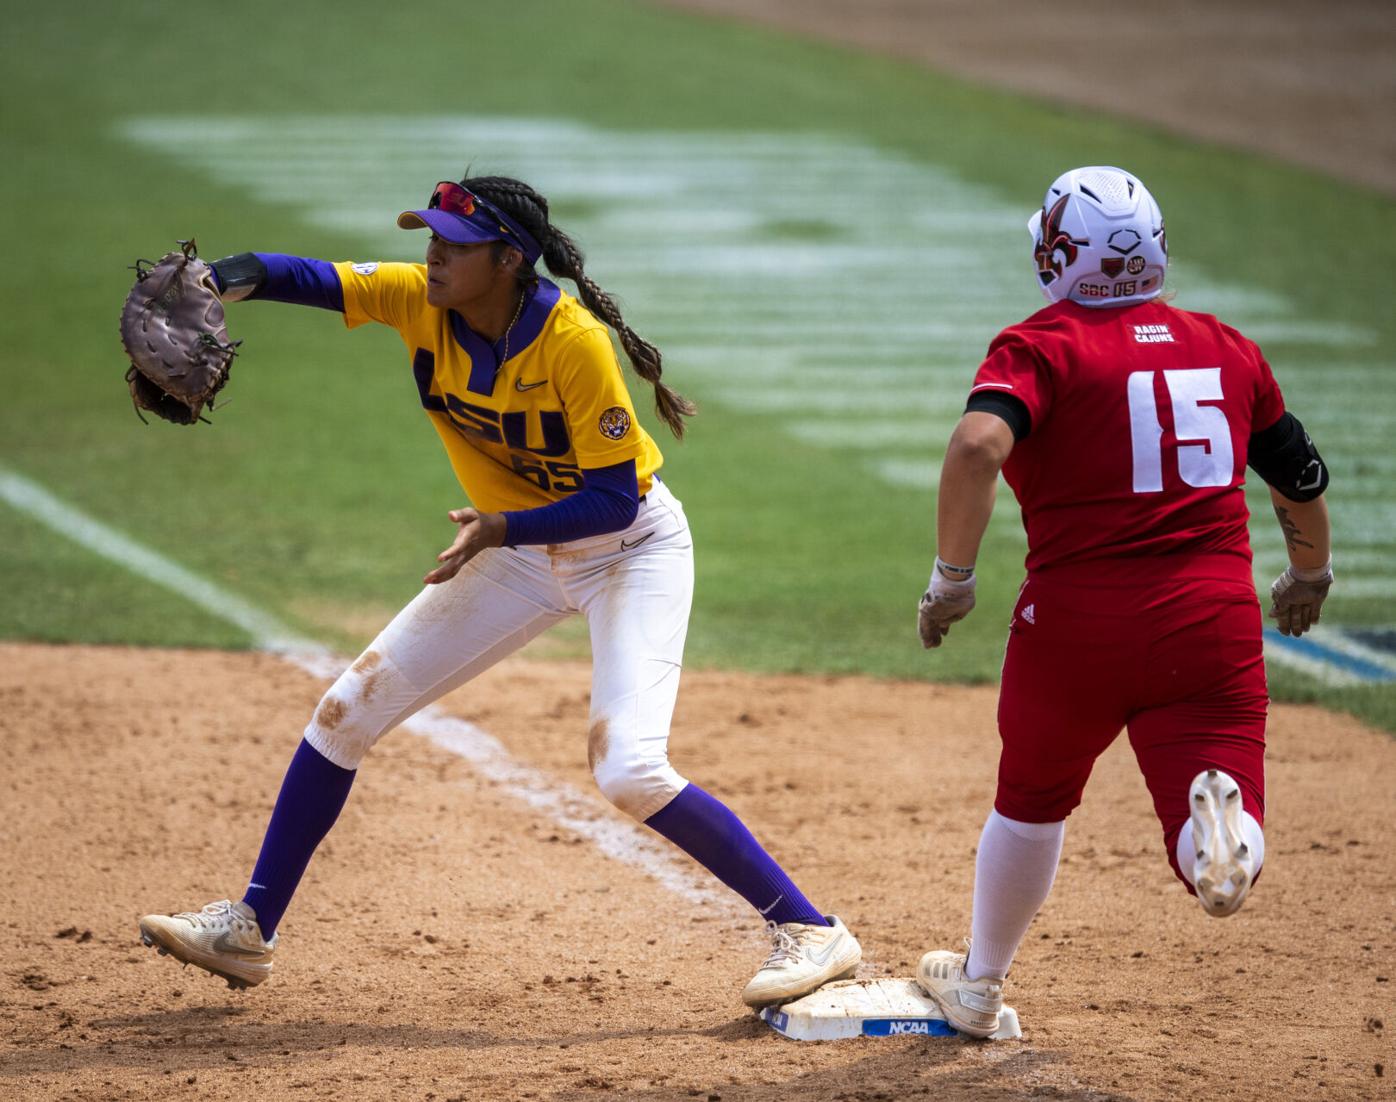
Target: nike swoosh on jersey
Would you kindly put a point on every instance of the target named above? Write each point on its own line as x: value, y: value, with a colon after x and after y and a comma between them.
x: 627, y: 546
x: 521, y: 386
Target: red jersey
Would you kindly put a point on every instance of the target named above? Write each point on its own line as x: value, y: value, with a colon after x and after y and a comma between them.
x: 1140, y: 420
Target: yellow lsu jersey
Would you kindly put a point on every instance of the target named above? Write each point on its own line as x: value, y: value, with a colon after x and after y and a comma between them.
x: 518, y: 433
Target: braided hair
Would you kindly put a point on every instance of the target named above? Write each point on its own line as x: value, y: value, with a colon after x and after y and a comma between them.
x: 565, y: 259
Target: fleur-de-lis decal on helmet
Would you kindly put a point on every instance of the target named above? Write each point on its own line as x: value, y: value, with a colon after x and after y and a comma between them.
x: 1053, y: 240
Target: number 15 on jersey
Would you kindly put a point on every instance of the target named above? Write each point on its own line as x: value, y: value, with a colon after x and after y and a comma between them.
x: 1206, y: 459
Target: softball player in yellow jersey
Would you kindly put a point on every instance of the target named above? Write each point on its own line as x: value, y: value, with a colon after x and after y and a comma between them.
x: 568, y: 516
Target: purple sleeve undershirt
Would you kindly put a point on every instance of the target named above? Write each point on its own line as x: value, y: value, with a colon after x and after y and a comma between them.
x: 302, y: 281
x: 607, y: 502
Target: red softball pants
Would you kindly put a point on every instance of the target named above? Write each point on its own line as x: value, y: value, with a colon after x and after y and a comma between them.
x: 1177, y: 662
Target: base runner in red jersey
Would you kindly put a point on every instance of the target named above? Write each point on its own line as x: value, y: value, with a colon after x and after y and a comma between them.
x: 1124, y: 427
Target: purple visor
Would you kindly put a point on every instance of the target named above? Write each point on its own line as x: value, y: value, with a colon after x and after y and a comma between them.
x: 457, y: 215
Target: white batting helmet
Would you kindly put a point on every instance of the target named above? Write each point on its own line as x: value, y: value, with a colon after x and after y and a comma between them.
x: 1098, y: 239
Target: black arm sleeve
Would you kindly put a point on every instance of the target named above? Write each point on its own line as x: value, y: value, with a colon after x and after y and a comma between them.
x: 1285, y: 457
x: 240, y: 276
x: 1010, y: 409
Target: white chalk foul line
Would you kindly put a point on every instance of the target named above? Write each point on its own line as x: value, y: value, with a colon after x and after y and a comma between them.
x: 31, y: 498
x: 619, y: 839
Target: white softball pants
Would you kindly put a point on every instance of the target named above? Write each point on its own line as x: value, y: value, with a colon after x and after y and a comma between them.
x: 634, y: 587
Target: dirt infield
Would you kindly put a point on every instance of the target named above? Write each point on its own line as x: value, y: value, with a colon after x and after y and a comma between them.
x: 451, y: 943
x: 1310, y: 83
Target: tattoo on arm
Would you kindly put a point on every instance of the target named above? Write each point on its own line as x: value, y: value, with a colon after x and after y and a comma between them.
x: 1288, y: 526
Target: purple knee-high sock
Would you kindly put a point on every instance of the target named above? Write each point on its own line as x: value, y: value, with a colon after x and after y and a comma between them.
x: 311, y: 798
x: 708, y: 831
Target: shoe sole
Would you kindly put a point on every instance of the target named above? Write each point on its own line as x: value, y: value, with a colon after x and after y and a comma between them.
x: 1223, y: 872
x: 810, y: 989
x: 169, y: 946
x: 977, y: 1032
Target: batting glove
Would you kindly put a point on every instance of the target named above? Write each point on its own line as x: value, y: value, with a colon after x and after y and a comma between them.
x: 1296, y: 598
x: 944, y: 603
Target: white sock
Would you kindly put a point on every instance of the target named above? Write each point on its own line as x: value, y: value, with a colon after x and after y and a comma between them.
x: 1013, y: 875
x: 1186, y: 852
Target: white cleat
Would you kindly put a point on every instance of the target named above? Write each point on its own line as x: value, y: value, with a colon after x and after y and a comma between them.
x: 803, y: 959
x: 223, y: 938
x: 1225, y: 864
x: 971, y: 1006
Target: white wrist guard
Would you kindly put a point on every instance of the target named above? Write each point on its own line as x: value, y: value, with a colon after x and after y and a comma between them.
x: 944, y: 567
x: 942, y: 586
x: 1314, y: 573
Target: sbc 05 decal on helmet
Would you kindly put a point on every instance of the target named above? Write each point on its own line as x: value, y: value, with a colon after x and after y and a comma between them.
x: 615, y: 422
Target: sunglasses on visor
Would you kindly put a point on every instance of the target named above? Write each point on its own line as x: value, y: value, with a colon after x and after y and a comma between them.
x: 450, y: 197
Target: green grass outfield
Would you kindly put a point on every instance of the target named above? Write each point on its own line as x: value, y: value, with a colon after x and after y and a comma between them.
x: 822, y: 241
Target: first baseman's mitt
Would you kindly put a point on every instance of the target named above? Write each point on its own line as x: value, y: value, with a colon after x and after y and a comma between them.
x: 173, y: 328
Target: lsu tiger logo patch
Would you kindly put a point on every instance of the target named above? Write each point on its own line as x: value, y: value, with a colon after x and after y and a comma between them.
x: 614, y: 423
